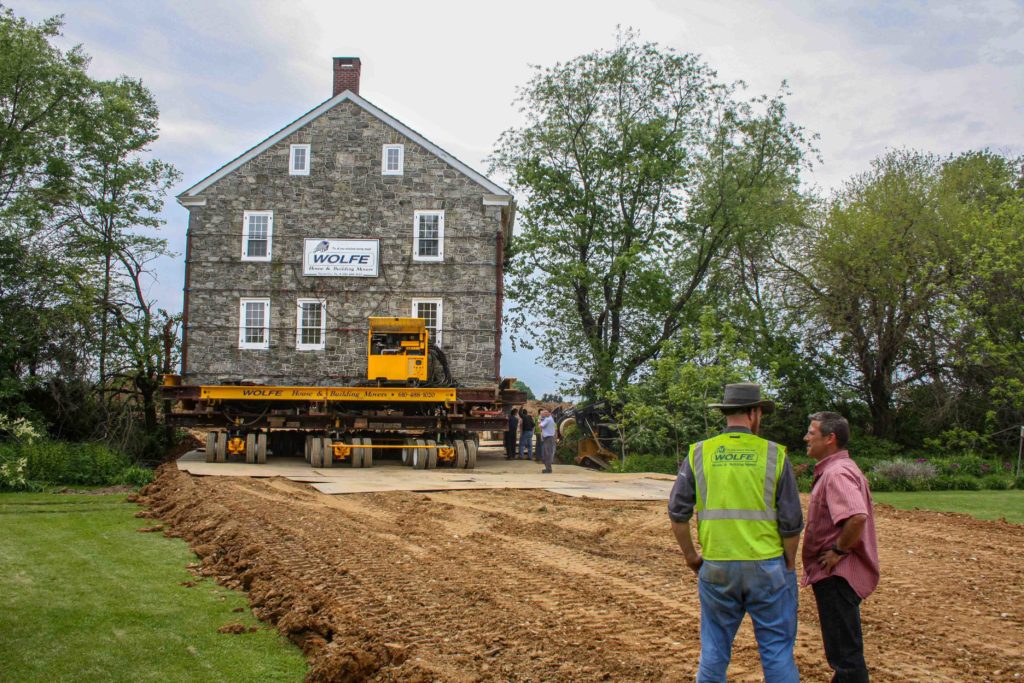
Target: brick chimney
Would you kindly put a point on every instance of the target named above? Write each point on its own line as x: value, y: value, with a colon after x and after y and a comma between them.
x: 346, y: 74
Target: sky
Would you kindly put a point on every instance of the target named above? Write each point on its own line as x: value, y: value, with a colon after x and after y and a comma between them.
x: 942, y: 77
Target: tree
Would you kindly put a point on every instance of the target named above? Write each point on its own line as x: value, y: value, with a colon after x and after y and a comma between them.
x: 41, y: 91
x: 880, y: 269
x: 79, y: 199
x: 639, y: 172
x: 520, y: 385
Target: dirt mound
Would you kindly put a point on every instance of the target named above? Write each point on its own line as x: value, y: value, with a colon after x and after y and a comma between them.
x: 530, y: 586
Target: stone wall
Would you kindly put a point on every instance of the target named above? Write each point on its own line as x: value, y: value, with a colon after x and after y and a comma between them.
x: 344, y: 196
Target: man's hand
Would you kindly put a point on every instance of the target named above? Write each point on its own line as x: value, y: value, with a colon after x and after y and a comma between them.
x: 828, y: 560
x: 694, y: 562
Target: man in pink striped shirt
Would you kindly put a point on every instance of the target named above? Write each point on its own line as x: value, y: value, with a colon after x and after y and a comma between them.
x: 840, y: 553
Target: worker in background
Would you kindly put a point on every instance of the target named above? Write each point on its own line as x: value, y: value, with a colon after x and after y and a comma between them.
x: 526, y: 425
x: 748, y: 521
x: 511, y: 437
x: 547, y: 434
x: 840, y: 548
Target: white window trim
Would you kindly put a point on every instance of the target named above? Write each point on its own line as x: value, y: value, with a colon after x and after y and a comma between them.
x: 298, y: 325
x: 438, y: 335
x: 242, y: 344
x: 291, y: 160
x: 384, y: 160
x: 245, y: 235
x: 416, y: 236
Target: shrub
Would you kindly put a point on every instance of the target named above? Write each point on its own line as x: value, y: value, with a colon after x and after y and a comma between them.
x: 866, y: 447
x: 997, y: 482
x: 956, y: 482
x: 903, y: 469
x: 59, y: 462
x: 968, y: 463
x: 665, y: 464
x: 136, y: 476
x: 877, y: 482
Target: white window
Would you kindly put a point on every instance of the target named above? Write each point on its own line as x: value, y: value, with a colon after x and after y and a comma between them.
x: 257, y: 235
x: 254, y: 324
x: 393, y: 160
x: 311, y: 325
x: 428, y: 236
x: 298, y: 160
x: 431, y: 311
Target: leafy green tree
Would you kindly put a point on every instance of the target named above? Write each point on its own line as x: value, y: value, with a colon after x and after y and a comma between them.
x: 41, y: 92
x: 666, y: 408
x: 520, y: 385
x: 879, y: 274
x: 639, y: 171
x: 79, y: 201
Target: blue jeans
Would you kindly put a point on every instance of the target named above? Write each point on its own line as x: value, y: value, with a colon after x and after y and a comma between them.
x: 766, y: 590
x: 526, y: 444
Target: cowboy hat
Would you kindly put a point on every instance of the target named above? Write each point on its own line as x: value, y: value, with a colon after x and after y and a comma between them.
x: 744, y: 395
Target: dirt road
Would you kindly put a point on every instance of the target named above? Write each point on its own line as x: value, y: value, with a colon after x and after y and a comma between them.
x: 531, y: 586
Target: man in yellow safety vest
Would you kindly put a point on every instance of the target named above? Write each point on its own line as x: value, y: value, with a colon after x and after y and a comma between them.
x: 744, y: 493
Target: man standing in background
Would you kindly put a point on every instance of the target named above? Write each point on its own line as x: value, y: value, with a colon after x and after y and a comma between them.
x: 526, y: 435
x: 840, y: 548
x: 547, y: 433
x: 511, y: 438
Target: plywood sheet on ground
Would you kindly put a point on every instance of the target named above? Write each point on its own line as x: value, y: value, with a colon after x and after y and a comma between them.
x: 492, y: 472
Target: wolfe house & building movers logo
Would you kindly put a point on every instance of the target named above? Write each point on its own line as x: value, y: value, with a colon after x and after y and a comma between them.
x: 340, y: 258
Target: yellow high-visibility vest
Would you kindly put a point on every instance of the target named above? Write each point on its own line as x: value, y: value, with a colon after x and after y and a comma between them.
x: 736, y: 476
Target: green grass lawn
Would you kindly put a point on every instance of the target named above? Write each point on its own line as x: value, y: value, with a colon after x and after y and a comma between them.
x: 86, y: 597
x: 981, y: 504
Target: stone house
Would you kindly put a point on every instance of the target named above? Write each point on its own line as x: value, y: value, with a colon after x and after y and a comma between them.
x: 343, y: 214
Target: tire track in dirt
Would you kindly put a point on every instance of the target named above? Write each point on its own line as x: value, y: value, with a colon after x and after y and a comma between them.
x: 530, y: 586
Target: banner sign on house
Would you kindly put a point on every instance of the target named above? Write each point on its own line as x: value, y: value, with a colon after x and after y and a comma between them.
x: 340, y: 258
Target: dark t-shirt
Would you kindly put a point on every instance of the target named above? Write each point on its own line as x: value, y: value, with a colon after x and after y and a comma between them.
x: 527, y: 424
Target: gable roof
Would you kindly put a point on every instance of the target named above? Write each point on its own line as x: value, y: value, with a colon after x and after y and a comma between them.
x: 320, y: 110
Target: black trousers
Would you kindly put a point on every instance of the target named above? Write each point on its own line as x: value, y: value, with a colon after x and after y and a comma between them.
x: 839, y: 613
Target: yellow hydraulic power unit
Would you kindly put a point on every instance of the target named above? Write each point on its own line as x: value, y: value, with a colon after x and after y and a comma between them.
x: 397, y: 350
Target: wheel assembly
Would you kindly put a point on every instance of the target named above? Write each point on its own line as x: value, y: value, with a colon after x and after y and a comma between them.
x: 261, y: 448
x: 419, y: 455
x: 431, y: 454
x: 211, y: 446
x: 356, y: 452
x: 222, y: 446
x: 328, y: 452
x: 367, y: 452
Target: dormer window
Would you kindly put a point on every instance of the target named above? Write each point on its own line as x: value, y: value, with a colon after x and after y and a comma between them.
x: 298, y: 160
x: 393, y: 160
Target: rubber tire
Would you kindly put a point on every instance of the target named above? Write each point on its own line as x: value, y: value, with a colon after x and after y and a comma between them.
x: 472, y: 447
x: 211, y: 447
x: 250, y: 448
x: 309, y: 447
x: 222, y: 446
x: 367, y: 452
x: 261, y: 448
x: 432, y: 455
x: 407, y: 451
x: 460, y: 454
x: 419, y: 456
x: 356, y: 455
x: 316, y: 451
x: 328, y: 452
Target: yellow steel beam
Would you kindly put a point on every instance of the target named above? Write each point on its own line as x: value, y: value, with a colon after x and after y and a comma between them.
x: 272, y: 393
